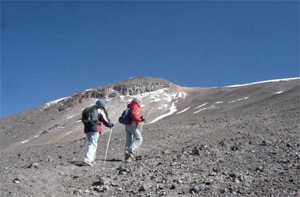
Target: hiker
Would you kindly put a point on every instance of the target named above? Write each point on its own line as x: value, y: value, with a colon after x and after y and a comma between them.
x: 133, y: 130
x: 92, y: 131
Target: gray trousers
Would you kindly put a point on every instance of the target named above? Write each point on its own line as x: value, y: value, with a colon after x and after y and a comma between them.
x: 133, y: 131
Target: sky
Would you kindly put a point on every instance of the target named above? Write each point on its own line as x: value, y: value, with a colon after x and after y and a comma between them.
x: 54, y: 49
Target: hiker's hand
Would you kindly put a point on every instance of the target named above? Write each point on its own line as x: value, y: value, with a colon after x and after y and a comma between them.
x: 111, y: 125
x: 143, y: 119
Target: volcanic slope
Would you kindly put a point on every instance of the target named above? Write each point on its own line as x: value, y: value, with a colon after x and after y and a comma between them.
x: 241, y: 140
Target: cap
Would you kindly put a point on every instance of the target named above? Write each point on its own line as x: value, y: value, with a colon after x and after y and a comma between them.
x: 136, y: 100
x: 100, y: 102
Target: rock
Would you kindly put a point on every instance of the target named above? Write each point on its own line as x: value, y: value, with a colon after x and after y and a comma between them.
x: 195, y: 151
x: 50, y: 160
x: 119, y: 189
x: 146, y: 186
x: 77, y: 192
x: 265, y: 143
x: 162, y: 192
x: 203, y: 147
x: 173, y: 186
x: 160, y: 186
x: 259, y: 169
x: 289, y: 145
x: 134, y: 191
x: 212, y: 174
x: 101, y: 189
x: 17, y: 181
x: 234, y: 148
x: 105, y: 188
x: 216, y: 170
x: 197, y: 188
x: 101, y: 181
x: 123, y: 170
x: 34, y: 165
x: 21, y: 178
x: 232, y: 175
x: 152, y: 177
x: 165, y: 152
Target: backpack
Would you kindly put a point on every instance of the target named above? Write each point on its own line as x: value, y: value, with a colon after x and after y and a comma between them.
x: 89, y: 116
x: 125, y: 117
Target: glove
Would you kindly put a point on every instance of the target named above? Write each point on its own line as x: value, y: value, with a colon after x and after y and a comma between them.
x: 111, y: 125
x: 143, y: 119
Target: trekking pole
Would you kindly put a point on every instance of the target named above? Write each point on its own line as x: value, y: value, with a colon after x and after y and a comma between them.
x: 107, y: 145
x: 80, y: 150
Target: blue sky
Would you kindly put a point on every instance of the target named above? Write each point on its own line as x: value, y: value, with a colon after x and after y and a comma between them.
x: 53, y: 49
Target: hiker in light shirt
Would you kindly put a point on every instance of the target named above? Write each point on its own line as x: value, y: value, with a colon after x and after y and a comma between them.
x: 92, y: 131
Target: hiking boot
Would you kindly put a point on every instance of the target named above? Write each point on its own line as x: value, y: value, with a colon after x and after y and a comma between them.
x: 126, y: 155
x: 130, y: 155
x: 88, y: 162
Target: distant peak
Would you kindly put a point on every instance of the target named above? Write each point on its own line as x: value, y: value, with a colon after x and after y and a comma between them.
x: 137, y: 85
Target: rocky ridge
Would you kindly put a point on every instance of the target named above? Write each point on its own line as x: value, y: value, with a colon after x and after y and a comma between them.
x: 60, y: 115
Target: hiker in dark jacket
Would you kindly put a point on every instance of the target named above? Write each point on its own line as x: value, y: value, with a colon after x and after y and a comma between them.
x: 133, y: 130
x: 92, y: 132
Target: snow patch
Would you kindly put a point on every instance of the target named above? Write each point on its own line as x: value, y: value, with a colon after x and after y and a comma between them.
x: 279, y: 92
x: 200, y: 110
x: 183, y: 110
x: 240, y: 99
x: 24, y: 141
x: 268, y: 81
x: 88, y: 90
x: 201, y: 105
x: 156, y: 100
x: 159, y: 94
x: 172, y: 110
x: 162, y: 96
x: 70, y: 117
x: 163, y: 106
x: 56, y: 101
x: 245, y: 98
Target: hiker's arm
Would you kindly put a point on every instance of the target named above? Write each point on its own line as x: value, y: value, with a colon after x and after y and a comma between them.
x: 107, y: 124
x: 104, y: 118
